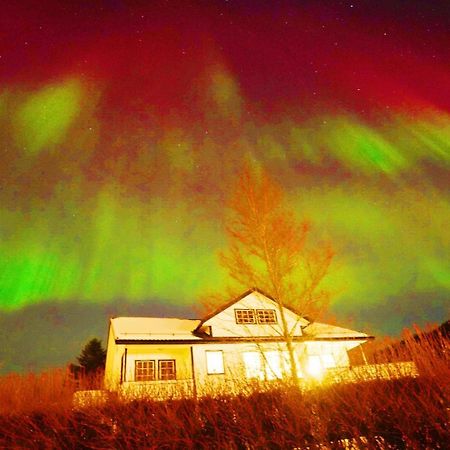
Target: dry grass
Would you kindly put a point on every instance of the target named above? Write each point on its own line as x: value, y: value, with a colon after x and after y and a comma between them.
x: 407, y: 413
x: 35, y: 392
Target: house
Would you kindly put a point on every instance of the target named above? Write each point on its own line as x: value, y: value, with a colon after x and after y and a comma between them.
x: 238, y: 344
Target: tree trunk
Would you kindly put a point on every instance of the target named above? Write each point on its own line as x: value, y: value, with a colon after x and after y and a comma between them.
x: 290, y: 348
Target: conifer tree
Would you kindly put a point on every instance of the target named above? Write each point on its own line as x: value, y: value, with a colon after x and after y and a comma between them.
x: 92, y: 357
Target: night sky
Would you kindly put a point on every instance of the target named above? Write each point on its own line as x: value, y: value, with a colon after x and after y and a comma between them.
x: 124, y: 124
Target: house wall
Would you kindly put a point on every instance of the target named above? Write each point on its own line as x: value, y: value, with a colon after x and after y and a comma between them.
x: 192, y: 371
x: 234, y: 365
x: 183, y: 386
x: 235, y: 373
x: 112, y: 365
x: 180, y: 353
x: 320, y: 356
x: 313, y: 358
x: 224, y: 323
x: 118, y: 365
x: 337, y: 349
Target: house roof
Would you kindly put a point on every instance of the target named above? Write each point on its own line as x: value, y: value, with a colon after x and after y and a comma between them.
x: 318, y: 330
x: 235, y: 300
x: 147, y: 329
x: 154, y: 329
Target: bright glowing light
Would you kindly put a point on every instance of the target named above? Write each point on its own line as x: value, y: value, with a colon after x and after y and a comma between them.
x: 314, y: 367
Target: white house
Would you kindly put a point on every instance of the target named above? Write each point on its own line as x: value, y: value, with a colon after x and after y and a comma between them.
x: 238, y: 344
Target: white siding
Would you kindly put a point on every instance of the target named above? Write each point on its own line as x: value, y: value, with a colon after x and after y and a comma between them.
x: 235, y: 374
x: 224, y: 324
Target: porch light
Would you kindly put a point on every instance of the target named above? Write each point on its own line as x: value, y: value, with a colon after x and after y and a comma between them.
x: 314, y: 367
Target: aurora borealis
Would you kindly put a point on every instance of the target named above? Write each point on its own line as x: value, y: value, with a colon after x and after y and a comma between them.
x: 124, y: 124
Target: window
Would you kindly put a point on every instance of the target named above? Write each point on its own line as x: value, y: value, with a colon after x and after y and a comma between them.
x: 214, y: 362
x: 261, y: 316
x: 267, y: 365
x: 166, y: 369
x: 144, y: 370
x: 253, y: 366
x: 317, y: 365
x: 272, y: 365
x: 245, y: 316
x: 266, y: 316
x: 328, y: 361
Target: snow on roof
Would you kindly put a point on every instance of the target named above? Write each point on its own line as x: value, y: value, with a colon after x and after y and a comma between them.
x: 153, y: 328
x: 319, y: 330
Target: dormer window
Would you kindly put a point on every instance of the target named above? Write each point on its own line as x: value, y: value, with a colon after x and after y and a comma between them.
x: 245, y: 316
x: 253, y: 316
x: 266, y: 316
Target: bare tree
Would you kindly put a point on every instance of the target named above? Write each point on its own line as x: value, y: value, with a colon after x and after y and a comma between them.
x: 268, y: 249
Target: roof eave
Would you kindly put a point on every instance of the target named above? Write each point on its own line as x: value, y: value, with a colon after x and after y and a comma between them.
x: 228, y: 340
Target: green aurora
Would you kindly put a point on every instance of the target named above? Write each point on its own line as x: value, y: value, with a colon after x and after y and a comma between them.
x: 150, y: 223
x: 122, y: 139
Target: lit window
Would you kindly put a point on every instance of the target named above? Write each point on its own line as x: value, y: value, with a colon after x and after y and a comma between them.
x: 272, y: 365
x: 144, y: 370
x: 245, y: 316
x: 166, y: 369
x: 214, y: 362
x: 266, y: 316
x: 253, y: 366
x: 328, y: 361
x: 286, y: 363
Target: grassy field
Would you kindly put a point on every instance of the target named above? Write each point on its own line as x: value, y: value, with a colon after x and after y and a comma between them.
x: 413, y: 413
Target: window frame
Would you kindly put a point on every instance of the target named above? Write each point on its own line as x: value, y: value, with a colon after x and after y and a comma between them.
x: 206, y: 360
x: 266, y: 310
x: 247, y: 310
x: 140, y: 377
x: 160, y: 378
